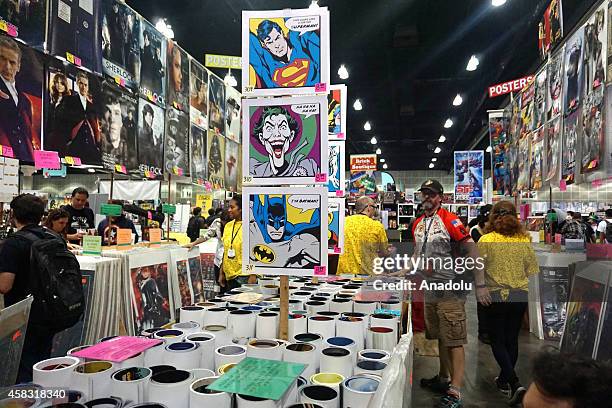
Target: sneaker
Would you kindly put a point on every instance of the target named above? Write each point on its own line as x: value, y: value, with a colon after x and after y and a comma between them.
x: 435, y: 384
x: 503, y: 387
x: 517, y: 395
x: 450, y: 401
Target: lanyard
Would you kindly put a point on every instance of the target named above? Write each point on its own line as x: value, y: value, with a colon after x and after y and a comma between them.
x: 427, y: 228
x: 236, y: 234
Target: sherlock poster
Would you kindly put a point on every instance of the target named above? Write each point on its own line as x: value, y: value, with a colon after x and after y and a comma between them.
x: 335, y: 225
x: 198, y: 153
x: 216, y: 162
x: 151, y: 120
x: 232, y: 114
x: 336, y: 112
x: 337, y: 174
x: 216, y: 105
x: 178, y: 77
x: 26, y: 20
x: 468, y: 176
x: 285, y: 52
x: 198, y: 95
x: 152, y: 64
x: 176, y: 150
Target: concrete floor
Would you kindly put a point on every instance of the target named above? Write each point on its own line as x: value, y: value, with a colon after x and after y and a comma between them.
x: 479, y: 390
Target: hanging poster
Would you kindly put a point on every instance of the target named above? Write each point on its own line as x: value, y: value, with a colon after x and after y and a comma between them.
x: 73, y: 32
x: 554, y: 293
x: 118, y: 129
x: 527, y: 108
x: 513, y: 143
x: 574, y: 72
x: 208, y: 280
x: 592, y: 125
x: 179, y: 277
x: 541, y: 84
x: 72, y: 113
x: 25, y: 20
x: 609, y: 43
x: 178, y: 77
x: 232, y: 153
x: 216, y: 104
x: 523, y: 162
x: 21, y: 113
x: 285, y: 52
x: 216, y: 165
x: 285, y: 140
x: 176, y: 150
x: 336, y: 112
x: 536, y: 162
x: 337, y: 174
x: 152, y: 64
x: 286, y: 235
x: 550, y: 28
x: 595, y: 48
x: 571, y: 135
x: 555, y: 75
x: 198, y: 153
x: 469, y: 182
x: 120, y: 43
x: 151, y: 119
x: 335, y: 222
x: 498, y: 132
x: 198, y: 95
x: 553, y: 148
x: 232, y: 114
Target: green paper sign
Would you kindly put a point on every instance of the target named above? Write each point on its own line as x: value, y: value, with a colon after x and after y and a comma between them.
x: 92, y: 245
x: 114, y: 210
x: 259, y: 378
x: 169, y: 209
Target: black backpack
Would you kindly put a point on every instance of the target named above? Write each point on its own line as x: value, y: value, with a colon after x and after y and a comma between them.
x: 193, y: 228
x: 608, y: 232
x: 55, y: 276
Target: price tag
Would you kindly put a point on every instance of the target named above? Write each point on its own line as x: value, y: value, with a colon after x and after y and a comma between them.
x: 77, y: 61
x: 247, y: 179
x: 563, y: 185
x: 339, y: 193
x: 46, y: 160
x: 592, y: 164
x: 208, y: 186
x: 340, y: 136
x: 69, y: 160
x: 337, y: 250
x: 92, y: 245
x: 147, y: 173
x: 320, y: 270
x: 249, y: 89
x: 6, y: 151
x: 124, y: 237
x: 321, y: 177
x: 250, y: 268
x: 155, y: 236
x: 70, y: 57
x: 320, y: 87
x: 120, y: 168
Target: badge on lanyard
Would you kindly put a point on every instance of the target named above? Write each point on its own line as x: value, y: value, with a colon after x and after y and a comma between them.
x: 231, y: 254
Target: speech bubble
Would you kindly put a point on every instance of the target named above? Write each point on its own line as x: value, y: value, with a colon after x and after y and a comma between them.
x: 307, y: 109
x: 304, y: 203
x: 303, y: 24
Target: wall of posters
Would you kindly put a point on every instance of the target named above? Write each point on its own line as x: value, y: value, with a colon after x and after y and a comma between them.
x: 151, y: 120
x: 21, y: 118
x: 571, y: 136
x: 285, y: 140
x: 198, y: 95
x: 152, y: 64
x: 592, y: 123
x: 595, y: 50
x: 27, y: 18
x: 198, y: 152
x: 335, y: 225
x: 550, y: 30
x: 178, y: 77
x: 216, y: 165
x: 286, y: 234
x: 528, y: 108
x: 555, y: 75
x: 337, y: 173
x: 232, y: 114
x: 216, y: 104
x: 73, y: 97
x: 285, y: 52
x: 498, y: 133
x: 336, y: 112
x: 536, y: 161
x: 469, y: 182
x: 574, y: 72
x: 176, y: 151
x: 523, y: 157
x: 541, y: 89
x: 553, y: 148
x: 120, y: 42
x: 232, y: 154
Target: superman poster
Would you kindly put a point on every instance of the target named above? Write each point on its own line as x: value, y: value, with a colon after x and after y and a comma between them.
x: 336, y: 112
x: 555, y: 76
x: 571, y: 136
x: 285, y: 52
x: 335, y: 225
x: 574, y: 72
x: 287, y: 231
x: 198, y: 94
x: 216, y: 163
x: 337, y: 174
x: 232, y: 114
x: 232, y: 153
x: 152, y: 64
x: 176, y: 150
x: 285, y: 140
x: 151, y: 120
x: 26, y: 20
x: 498, y: 133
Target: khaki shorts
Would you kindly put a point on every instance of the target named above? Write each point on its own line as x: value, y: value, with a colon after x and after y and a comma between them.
x: 445, y: 321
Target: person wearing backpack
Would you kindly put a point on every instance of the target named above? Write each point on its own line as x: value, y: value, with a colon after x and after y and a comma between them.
x: 36, y: 261
x: 604, y: 229
x: 196, y: 223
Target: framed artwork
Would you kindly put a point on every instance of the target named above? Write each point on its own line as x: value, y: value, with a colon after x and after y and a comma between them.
x: 216, y: 163
x: 285, y: 52
x: 337, y: 173
x: 285, y: 141
x: 198, y: 94
x: 469, y: 167
x: 336, y: 112
x: 335, y: 222
x: 152, y: 64
x: 151, y: 129
x: 286, y: 235
x: 232, y: 114
x: 178, y: 77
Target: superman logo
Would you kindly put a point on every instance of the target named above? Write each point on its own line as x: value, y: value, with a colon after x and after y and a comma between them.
x: 292, y: 75
x: 263, y: 253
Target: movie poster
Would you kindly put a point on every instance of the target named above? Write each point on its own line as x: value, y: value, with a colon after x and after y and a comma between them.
x: 513, y: 142
x: 555, y: 75
x: 527, y: 108
x: 118, y: 127
x: 285, y: 140
x: 152, y: 64
x: 536, y: 163
x: 198, y: 153
x: 21, y: 113
x: 195, y: 276
x: 232, y: 114
x: 592, y: 140
x: 335, y: 225
x: 523, y: 162
x: 120, y: 43
x: 232, y: 153
x: 184, y: 285
x: 336, y: 112
x: 178, y: 77
x: 574, y: 72
x: 26, y: 20
x: 216, y: 165
x: 541, y: 84
x: 285, y: 52
x: 499, y: 122
x: 553, y: 148
x: 551, y: 28
x: 609, y: 43
x: 198, y: 96
x: 571, y: 135
x: 72, y: 113
x: 151, y: 122
x: 336, y: 179
x: 554, y: 294
x: 595, y: 48
x: 285, y: 234
x: 176, y: 150
x: 216, y: 104
x: 150, y: 295
x: 208, y: 281
x: 469, y: 182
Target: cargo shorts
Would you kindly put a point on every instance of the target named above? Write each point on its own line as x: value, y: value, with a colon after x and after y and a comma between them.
x: 445, y: 320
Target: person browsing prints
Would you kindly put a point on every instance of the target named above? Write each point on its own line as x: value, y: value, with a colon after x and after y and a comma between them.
x: 81, y: 217
x: 108, y: 227
x: 57, y: 221
x: 604, y: 228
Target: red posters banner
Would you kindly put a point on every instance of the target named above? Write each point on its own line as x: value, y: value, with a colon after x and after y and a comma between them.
x: 511, y: 86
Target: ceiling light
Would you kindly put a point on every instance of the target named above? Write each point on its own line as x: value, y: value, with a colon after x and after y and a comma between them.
x: 442, y: 139
x: 437, y: 150
x: 357, y: 105
x: 431, y: 165
x: 164, y: 28
x: 378, y: 151
x: 314, y: 4
x: 472, y: 63
x: 434, y: 159
x: 343, y: 72
x: 489, y: 149
x: 367, y: 126
x: 91, y: 170
x: 385, y: 166
x: 458, y: 100
x: 229, y: 79
x: 382, y: 160
x: 373, y: 140
x: 448, y: 124
x: 497, y: 3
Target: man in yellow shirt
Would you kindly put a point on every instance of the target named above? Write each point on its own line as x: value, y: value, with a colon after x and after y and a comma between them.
x: 364, y: 240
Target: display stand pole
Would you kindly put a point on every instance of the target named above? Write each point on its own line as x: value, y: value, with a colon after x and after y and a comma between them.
x: 284, y: 308
x: 112, y: 182
x: 169, y: 202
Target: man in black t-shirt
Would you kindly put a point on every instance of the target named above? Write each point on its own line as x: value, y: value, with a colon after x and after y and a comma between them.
x: 81, y: 218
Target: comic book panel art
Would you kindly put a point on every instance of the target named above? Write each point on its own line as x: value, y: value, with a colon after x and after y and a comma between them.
x: 216, y: 162
x: 151, y: 121
x: 285, y: 140
x: 536, y: 163
x: 195, y: 276
x: 176, y: 150
x: 336, y: 112
x: 553, y: 148
x: 120, y: 43
x: 198, y: 153
x: 595, y: 50
x: 198, y: 95
x: 232, y: 114
x: 574, y: 72
x: 285, y: 52
x: 178, y: 77
x: 73, y: 98
x: 498, y: 133
x: 555, y: 76
x: 152, y: 64
x: 21, y: 114
x: 550, y: 30
x: 571, y: 135
x: 524, y: 150
x: 232, y: 152
x: 286, y: 234
x: 592, y: 126
x: 540, y: 98
x: 468, y: 176
x: 118, y: 128
x: 150, y: 296
x: 25, y: 20
x: 216, y: 105
x: 335, y: 225
x: 185, y: 289
x: 336, y: 179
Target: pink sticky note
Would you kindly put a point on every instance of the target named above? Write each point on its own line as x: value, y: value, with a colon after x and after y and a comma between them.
x: 77, y: 161
x: 180, y: 172
x: 320, y: 270
x: 339, y: 193
x: 337, y: 250
x: 320, y: 87
x: 77, y: 61
x: 46, y: 160
x: 149, y: 215
x: 563, y: 185
x: 118, y: 349
x: 321, y: 177
x: 12, y: 30
x: 597, y: 183
x: 122, y: 81
x: 7, y: 151
x: 340, y: 136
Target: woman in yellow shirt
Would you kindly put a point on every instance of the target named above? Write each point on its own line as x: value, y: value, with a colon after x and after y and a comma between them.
x: 509, y: 261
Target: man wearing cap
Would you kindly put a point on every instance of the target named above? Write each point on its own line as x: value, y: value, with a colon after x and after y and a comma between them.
x: 445, y: 320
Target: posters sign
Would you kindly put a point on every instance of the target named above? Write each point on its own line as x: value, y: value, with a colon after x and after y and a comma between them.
x: 511, y: 86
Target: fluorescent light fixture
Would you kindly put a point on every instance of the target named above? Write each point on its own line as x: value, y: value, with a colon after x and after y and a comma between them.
x: 458, y: 100
x: 437, y: 150
x: 357, y: 105
x: 343, y: 72
x: 229, y: 79
x: 373, y: 140
x: 448, y: 124
x: 497, y: 3
x: 434, y: 159
x: 367, y: 126
x: 164, y: 28
x: 489, y: 149
x: 472, y: 64
x: 314, y: 4
x: 382, y: 160
x: 442, y: 139
x: 378, y: 151
x: 385, y: 166
x: 431, y: 165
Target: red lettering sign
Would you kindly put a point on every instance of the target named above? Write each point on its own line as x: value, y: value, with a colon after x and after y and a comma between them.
x: 363, y: 162
x: 510, y: 86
